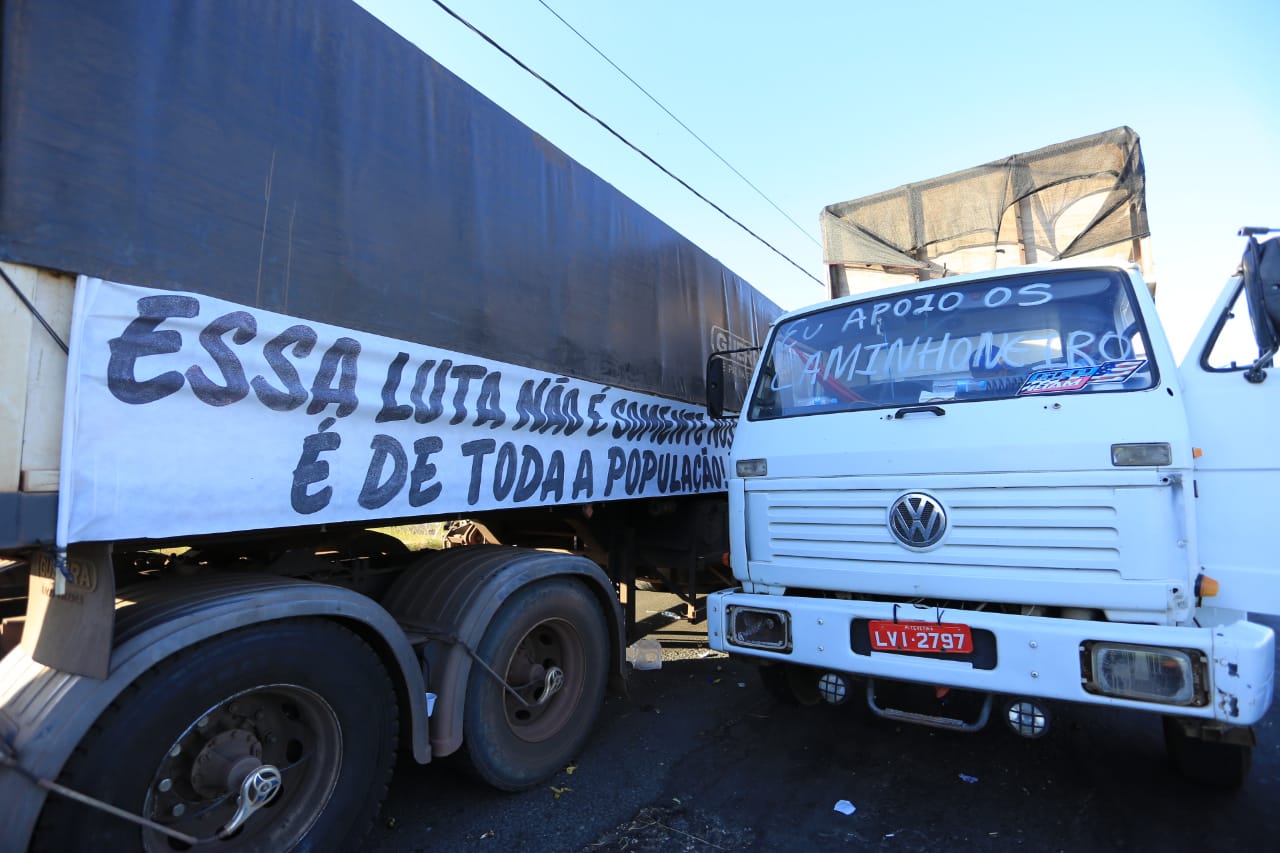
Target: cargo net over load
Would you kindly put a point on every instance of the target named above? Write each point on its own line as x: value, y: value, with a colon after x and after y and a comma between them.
x: 1081, y: 199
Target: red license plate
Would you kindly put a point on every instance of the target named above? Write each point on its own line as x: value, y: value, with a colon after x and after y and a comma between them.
x: 924, y: 637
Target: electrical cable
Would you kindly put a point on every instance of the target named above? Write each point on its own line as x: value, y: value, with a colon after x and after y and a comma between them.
x: 688, y: 129
x: 622, y: 138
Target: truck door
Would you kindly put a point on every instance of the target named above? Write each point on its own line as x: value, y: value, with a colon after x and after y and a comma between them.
x: 1234, y: 426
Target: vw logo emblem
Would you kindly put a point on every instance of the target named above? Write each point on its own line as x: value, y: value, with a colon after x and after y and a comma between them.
x: 917, y: 520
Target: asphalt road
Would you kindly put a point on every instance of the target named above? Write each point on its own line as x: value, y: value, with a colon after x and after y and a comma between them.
x: 700, y: 758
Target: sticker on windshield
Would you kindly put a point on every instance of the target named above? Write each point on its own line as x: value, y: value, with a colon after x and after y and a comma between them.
x: 1075, y: 378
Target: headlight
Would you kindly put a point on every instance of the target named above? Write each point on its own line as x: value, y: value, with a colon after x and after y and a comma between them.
x: 759, y: 629
x: 1145, y: 673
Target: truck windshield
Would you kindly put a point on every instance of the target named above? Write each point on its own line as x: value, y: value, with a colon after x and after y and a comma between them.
x: 1069, y: 331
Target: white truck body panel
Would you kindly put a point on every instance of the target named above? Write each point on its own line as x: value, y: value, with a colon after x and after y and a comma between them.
x: 1233, y: 423
x: 1038, y: 656
x: 1031, y: 540
x: 1050, y: 544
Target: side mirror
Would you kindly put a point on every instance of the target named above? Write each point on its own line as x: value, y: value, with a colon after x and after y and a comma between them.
x: 715, y: 386
x: 715, y: 380
x: 1261, y: 268
x: 1269, y: 272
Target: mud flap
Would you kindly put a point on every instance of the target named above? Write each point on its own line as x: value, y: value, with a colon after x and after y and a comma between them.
x: 72, y: 632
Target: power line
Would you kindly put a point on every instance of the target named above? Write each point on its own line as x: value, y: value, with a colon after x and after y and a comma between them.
x: 688, y: 129
x: 622, y: 138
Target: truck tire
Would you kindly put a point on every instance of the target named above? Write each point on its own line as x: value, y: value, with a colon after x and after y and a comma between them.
x: 790, y: 684
x: 306, y: 696
x: 1216, y: 763
x: 551, y: 627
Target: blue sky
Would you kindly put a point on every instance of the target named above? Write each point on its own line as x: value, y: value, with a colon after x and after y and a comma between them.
x: 818, y: 102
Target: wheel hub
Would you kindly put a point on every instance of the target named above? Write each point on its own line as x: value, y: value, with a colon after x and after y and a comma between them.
x: 258, y: 788
x: 551, y: 684
x: 545, y: 665
x: 233, y: 760
x: 225, y: 761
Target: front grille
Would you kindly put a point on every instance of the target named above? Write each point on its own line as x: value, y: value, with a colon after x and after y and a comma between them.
x: 1051, y: 528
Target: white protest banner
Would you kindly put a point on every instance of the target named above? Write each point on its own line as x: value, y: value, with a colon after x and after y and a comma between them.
x: 188, y: 414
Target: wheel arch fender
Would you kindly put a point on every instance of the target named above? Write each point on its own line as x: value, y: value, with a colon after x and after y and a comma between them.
x: 453, y: 595
x: 44, y: 712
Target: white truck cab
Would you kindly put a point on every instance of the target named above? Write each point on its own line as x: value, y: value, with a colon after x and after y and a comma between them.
x: 991, y: 492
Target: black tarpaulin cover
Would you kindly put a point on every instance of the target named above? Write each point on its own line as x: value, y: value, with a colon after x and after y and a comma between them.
x: 300, y: 157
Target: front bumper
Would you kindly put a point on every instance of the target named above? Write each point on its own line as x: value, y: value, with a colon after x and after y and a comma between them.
x: 1033, y: 656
